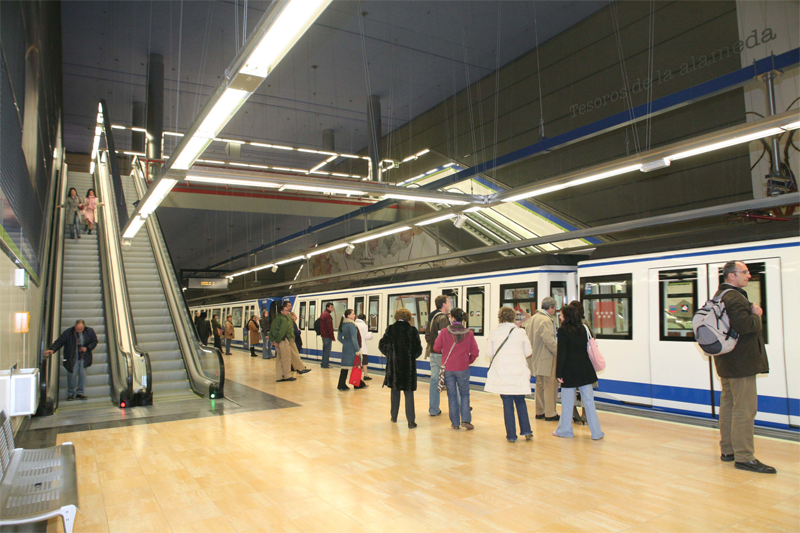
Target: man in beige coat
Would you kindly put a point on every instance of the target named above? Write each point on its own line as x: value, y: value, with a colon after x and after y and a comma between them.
x: 541, y: 330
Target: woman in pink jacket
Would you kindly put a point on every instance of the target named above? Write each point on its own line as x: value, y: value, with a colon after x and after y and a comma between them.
x: 459, y: 349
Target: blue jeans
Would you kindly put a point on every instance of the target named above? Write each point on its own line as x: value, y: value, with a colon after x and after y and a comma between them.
x: 567, y: 403
x: 228, y: 346
x: 266, y: 350
x: 74, y: 227
x: 458, y: 384
x: 78, y: 374
x: 509, y: 401
x: 326, y: 352
x: 433, y: 404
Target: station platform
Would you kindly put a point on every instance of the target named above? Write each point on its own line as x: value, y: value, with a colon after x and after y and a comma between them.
x: 303, y: 457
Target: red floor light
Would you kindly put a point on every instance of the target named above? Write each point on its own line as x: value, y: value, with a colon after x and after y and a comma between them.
x: 122, y: 404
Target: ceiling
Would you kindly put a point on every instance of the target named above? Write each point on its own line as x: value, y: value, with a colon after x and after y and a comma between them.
x: 411, y: 54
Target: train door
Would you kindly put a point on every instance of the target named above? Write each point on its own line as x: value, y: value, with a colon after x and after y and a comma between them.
x: 681, y: 376
x: 765, y: 290
x: 302, y: 318
x: 313, y: 341
x: 249, y: 310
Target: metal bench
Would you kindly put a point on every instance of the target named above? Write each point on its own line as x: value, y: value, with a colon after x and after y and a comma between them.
x: 36, y: 484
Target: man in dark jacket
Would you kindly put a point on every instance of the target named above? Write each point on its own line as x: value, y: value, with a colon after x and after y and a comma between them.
x: 264, y: 322
x: 737, y: 371
x: 326, y: 330
x: 204, y: 328
x: 438, y: 321
x: 78, y: 342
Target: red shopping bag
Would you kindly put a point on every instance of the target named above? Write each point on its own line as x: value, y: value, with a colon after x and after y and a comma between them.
x: 355, y: 374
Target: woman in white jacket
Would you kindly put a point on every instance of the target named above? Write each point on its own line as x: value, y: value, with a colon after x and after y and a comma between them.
x: 366, y: 335
x: 509, y: 376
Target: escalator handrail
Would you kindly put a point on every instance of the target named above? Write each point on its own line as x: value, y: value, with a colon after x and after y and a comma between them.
x: 49, y: 367
x: 179, y: 309
x: 121, y: 317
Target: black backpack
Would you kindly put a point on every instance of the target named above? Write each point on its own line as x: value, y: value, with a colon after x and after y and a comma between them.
x: 318, y: 327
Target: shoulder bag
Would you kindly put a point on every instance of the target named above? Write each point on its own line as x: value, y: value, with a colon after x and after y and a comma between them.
x: 598, y: 362
x: 441, y: 387
x: 500, y: 348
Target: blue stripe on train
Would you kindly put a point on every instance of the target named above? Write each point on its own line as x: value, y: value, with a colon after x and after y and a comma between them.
x: 766, y: 404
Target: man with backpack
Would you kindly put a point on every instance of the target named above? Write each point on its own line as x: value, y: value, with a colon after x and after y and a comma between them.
x: 737, y: 372
x: 437, y: 321
x: 326, y: 332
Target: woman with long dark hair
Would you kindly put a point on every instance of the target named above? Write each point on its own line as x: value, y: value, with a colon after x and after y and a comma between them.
x: 89, y: 210
x: 575, y: 371
x: 72, y: 207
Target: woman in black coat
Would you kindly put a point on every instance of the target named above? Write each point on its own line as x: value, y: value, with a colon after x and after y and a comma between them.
x: 575, y: 371
x: 401, y: 347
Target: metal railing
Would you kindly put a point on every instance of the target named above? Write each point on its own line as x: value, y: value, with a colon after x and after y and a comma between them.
x: 130, y: 369
x: 205, y: 366
x: 49, y: 366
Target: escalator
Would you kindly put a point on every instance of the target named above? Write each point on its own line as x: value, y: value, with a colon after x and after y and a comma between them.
x: 151, y: 317
x: 82, y: 298
x: 182, y: 366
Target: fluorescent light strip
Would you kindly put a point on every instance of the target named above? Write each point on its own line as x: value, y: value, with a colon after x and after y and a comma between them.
x: 322, y: 189
x: 430, y: 199
x: 134, y: 227
x: 425, y: 151
x: 436, y: 219
x: 307, y: 150
x: 230, y: 141
x: 788, y: 127
x: 173, y: 134
x: 233, y: 181
x: 328, y: 249
x: 573, y: 183
x: 190, y: 152
x: 379, y: 235
x: 724, y: 144
x: 292, y: 260
x: 223, y: 110
x: 298, y: 272
x: 118, y: 127
x: 473, y: 209
x: 159, y: 193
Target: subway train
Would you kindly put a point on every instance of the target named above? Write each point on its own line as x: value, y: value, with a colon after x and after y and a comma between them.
x: 639, y: 296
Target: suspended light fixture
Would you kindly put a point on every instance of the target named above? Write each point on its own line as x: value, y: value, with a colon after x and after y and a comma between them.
x: 379, y: 235
x: 431, y: 199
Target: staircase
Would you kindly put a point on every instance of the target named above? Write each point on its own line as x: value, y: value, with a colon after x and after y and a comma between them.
x: 82, y: 298
x: 155, y: 332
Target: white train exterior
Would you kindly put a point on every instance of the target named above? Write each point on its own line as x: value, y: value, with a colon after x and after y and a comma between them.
x: 639, y: 305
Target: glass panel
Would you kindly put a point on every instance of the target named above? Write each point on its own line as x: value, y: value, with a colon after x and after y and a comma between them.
x: 609, y: 316
x: 312, y: 314
x: 358, y: 306
x: 452, y: 297
x: 475, y: 311
x: 558, y: 290
x: 757, y: 292
x: 339, y: 307
x: 521, y: 298
x: 605, y: 287
x: 237, y: 317
x: 374, y: 303
x: 215, y: 312
x: 301, y: 320
x: 677, y: 304
x: 418, y: 304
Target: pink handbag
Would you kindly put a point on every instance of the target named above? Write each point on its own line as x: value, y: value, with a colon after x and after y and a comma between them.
x: 598, y: 362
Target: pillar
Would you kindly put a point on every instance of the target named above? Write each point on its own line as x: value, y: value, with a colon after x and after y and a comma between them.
x: 155, y: 106
x: 374, y: 132
x: 138, y: 121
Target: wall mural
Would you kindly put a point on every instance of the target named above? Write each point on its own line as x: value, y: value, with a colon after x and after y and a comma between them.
x: 390, y: 249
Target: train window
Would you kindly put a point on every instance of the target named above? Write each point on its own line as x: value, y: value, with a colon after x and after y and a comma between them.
x: 237, y: 317
x: 558, y: 290
x: 374, y: 309
x: 358, y: 305
x: 677, y: 296
x: 302, y: 318
x: 757, y: 292
x: 522, y: 298
x: 475, y: 310
x: 312, y: 314
x: 418, y: 304
x: 215, y: 312
x: 607, y: 301
x: 339, y: 307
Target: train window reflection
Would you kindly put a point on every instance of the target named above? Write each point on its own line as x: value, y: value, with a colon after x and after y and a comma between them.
x: 607, y: 301
x: 418, y: 304
x: 302, y: 318
x: 521, y: 298
x: 358, y: 305
x: 237, y: 317
x: 312, y: 314
x: 475, y: 310
x: 339, y: 307
x: 677, y: 295
x: 374, y: 309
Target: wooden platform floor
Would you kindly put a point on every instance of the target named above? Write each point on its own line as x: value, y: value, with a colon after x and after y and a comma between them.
x: 336, y: 463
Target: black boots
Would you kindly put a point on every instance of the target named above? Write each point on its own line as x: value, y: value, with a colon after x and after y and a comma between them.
x: 343, y: 380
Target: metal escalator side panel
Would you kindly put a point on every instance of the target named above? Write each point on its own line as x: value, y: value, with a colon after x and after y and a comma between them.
x: 204, y: 365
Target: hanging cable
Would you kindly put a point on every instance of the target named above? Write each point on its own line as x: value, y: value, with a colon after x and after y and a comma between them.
x: 236, y: 23
x: 468, y: 90
x: 650, y: 68
x: 374, y: 135
x: 497, y: 90
x: 538, y: 72
x: 180, y: 43
x: 613, y: 7
x: 244, y: 24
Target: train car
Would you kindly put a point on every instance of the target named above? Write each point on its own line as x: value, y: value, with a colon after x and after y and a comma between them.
x: 640, y: 297
x: 241, y: 311
x: 642, y: 304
